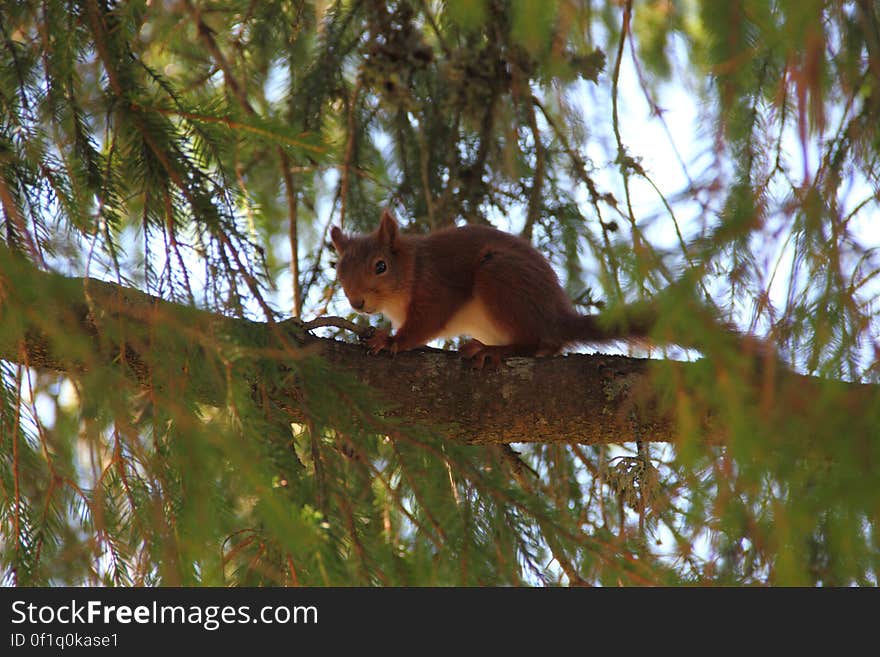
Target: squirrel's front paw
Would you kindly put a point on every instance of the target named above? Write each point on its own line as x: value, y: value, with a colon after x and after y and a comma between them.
x: 381, y: 340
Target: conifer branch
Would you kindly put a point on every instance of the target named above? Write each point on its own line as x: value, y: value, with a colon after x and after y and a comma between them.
x: 592, y: 399
x: 535, y: 195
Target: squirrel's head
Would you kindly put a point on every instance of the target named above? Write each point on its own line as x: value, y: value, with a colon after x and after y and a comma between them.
x: 370, y: 267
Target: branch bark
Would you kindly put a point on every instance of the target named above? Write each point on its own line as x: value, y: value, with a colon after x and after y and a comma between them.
x: 592, y: 399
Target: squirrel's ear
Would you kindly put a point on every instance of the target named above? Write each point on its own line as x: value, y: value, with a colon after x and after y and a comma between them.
x: 339, y: 239
x: 387, y: 228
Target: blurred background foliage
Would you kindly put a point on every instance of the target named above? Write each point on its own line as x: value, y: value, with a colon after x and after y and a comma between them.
x: 199, y: 150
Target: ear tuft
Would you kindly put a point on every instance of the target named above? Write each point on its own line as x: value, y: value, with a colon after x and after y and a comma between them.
x: 387, y: 228
x: 339, y: 239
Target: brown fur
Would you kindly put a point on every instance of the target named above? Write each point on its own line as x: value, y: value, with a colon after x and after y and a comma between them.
x: 494, y: 281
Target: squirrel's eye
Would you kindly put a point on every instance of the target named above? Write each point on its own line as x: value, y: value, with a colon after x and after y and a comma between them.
x: 381, y: 267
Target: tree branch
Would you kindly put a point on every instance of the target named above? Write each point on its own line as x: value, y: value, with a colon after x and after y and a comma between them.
x: 593, y: 399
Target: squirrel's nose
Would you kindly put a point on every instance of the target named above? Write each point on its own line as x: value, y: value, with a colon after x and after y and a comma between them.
x: 357, y: 305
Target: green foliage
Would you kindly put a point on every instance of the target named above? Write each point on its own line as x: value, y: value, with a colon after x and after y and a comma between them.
x: 170, y: 146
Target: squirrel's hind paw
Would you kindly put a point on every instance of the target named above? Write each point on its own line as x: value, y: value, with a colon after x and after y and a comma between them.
x: 481, y: 356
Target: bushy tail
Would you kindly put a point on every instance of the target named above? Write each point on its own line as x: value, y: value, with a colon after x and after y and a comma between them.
x: 633, y: 322
x: 704, y: 333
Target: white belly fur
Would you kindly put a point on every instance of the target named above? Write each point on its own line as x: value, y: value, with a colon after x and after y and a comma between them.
x: 394, y: 313
x: 474, y: 320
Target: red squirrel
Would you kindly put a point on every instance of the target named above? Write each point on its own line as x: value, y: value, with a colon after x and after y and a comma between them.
x: 477, y: 281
